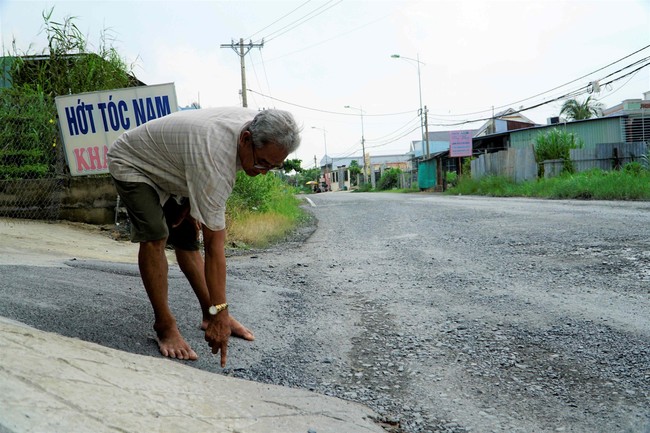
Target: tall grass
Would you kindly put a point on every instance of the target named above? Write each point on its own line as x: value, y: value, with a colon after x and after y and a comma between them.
x: 28, y: 132
x: 261, y: 210
x: 594, y: 184
x: 555, y: 144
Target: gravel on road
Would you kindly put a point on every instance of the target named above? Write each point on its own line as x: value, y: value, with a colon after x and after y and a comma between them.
x: 441, y: 313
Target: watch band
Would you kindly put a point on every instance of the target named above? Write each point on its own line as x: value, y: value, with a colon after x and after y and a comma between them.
x: 216, y: 309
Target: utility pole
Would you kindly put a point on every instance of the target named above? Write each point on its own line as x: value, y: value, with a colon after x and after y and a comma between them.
x: 426, y: 129
x: 363, y: 146
x: 241, y: 51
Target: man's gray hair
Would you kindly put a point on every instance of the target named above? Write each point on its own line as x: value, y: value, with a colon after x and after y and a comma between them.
x: 275, y: 126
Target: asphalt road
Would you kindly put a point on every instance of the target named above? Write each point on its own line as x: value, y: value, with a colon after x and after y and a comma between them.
x: 443, y: 314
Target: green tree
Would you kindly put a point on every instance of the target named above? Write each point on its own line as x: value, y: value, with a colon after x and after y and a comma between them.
x: 576, y: 110
x: 292, y: 165
x: 355, y: 171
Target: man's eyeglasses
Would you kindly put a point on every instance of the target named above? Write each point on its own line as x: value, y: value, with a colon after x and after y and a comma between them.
x: 263, y: 164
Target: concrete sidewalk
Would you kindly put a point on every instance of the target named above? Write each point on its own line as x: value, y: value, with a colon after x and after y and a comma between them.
x: 50, y: 384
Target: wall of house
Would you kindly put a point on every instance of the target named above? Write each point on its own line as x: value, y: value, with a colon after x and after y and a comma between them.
x: 340, y: 179
x: 592, y: 132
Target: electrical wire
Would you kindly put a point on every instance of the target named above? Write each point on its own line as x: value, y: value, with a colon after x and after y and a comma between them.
x: 258, y: 80
x: 623, y: 85
x: 300, y: 21
x: 397, y: 131
x: 278, y: 20
x: 553, y: 89
x: 266, y: 76
x: 572, y: 94
x: 256, y: 76
x: 393, y: 140
x: 341, y: 113
x: 328, y: 39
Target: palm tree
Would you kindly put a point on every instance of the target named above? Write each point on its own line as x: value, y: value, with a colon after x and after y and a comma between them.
x: 575, y: 110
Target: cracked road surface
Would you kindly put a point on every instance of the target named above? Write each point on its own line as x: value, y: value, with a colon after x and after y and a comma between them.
x: 441, y: 313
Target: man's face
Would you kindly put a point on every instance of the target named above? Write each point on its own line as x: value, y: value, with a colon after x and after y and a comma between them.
x: 261, y: 160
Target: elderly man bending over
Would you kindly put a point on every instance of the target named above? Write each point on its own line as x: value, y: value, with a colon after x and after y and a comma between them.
x: 174, y: 175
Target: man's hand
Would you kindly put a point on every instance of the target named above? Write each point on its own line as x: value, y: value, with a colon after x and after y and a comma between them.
x: 183, y: 212
x: 218, y: 333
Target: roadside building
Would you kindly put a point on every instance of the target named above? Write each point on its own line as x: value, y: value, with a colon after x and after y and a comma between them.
x: 335, y: 171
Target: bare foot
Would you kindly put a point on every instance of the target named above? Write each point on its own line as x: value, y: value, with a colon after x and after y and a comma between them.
x: 236, y: 329
x: 172, y: 345
x: 240, y: 331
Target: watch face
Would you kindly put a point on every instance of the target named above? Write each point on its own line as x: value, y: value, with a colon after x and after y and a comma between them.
x: 213, y: 310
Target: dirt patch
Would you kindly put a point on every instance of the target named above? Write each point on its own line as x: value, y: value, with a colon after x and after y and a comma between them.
x: 44, y: 243
x: 49, y: 243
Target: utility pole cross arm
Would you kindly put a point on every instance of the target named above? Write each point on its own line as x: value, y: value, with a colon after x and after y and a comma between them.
x: 241, y: 52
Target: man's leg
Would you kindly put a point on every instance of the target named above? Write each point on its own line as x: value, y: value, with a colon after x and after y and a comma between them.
x: 192, y: 265
x: 153, y: 270
x: 149, y: 229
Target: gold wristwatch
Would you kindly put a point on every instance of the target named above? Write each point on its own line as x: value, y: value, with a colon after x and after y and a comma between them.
x: 215, y: 309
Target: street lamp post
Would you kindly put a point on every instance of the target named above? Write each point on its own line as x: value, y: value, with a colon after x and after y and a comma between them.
x: 363, y: 143
x: 422, y: 122
x: 324, y: 141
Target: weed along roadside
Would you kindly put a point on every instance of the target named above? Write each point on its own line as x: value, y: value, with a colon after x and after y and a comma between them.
x: 263, y: 210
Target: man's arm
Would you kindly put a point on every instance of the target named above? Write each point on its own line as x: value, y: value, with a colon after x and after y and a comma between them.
x: 218, y: 330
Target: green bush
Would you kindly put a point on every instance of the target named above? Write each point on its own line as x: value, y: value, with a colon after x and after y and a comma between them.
x: 263, y: 193
x: 27, y: 171
x: 555, y: 144
x: 366, y: 187
x: 389, y: 179
x: 452, y: 178
x: 28, y: 131
x: 633, y: 168
x: 252, y: 193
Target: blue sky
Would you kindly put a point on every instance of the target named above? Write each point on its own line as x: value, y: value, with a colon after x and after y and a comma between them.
x: 320, y: 56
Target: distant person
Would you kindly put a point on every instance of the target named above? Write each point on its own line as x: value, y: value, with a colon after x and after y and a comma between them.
x: 174, y: 175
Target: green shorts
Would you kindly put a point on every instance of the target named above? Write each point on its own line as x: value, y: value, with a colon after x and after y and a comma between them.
x: 151, y: 222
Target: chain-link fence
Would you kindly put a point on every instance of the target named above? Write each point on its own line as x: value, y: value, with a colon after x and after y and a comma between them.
x: 31, y: 158
x: 35, y: 182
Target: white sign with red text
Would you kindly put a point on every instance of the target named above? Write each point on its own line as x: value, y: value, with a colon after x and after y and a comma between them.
x: 91, y: 121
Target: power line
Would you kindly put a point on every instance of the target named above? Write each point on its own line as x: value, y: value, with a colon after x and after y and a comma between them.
x: 257, y: 78
x: 329, y: 112
x: 328, y: 39
x: 394, y: 140
x: 279, y: 19
x: 397, y: 131
x: 574, y: 93
x: 555, y: 88
x: 300, y: 21
x: 266, y: 76
x: 580, y: 91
